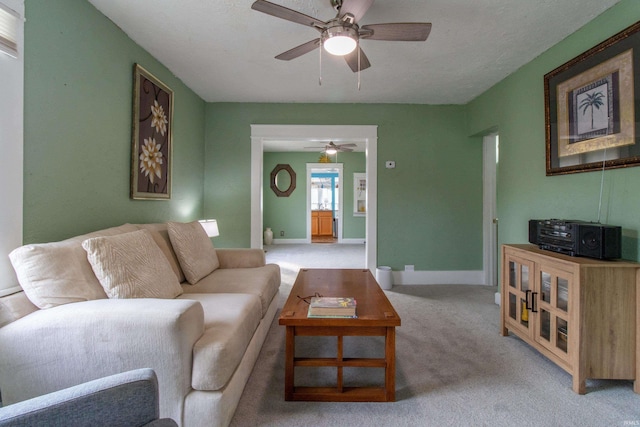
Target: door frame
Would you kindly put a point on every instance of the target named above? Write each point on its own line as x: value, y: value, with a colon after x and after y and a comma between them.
x: 302, y: 134
x: 326, y: 166
x: 490, y: 144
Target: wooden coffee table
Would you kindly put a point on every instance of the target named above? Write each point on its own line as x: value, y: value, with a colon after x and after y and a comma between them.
x: 376, y: 317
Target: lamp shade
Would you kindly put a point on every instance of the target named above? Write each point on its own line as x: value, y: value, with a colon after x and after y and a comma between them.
x: 210, y: 226
x: 339, y: 40
x: 339, y: 45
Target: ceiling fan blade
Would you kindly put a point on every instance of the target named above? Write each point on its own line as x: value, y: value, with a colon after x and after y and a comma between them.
x: 341, y: 148
x: 355, y: 7
x: 347, y: 145
x: 352, y: 60
x: 286, y: 13
x: 299, y: 50
x: 400, y: 31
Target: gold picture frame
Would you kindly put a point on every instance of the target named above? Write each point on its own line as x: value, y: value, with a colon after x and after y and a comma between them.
x: 151, y: 153
x: 590, y: 112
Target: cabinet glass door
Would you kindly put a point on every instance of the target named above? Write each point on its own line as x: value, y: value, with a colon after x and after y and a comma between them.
x: 519, y: 288
x: 553, y: 326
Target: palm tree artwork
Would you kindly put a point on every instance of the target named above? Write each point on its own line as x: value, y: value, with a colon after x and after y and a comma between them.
x: 592, y: 100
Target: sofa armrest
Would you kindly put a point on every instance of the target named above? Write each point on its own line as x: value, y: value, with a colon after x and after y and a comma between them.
x: 241, y: 258
x: 126, y: 399
x: 52, y: 349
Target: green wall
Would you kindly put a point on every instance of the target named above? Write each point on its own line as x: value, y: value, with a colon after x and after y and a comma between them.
x: 78, y: 115
x: 289, y: 214
x: 429, y: 206
x: 516, y: 107
x: 78, y: 96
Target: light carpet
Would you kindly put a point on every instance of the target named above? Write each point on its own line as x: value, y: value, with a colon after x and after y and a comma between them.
x: 453, y: 369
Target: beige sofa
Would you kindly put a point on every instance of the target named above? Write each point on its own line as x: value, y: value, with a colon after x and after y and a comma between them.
x: 139, y: 296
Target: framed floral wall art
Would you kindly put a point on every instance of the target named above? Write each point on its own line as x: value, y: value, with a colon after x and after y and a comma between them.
x: 151, y: 143
x: 591, y: 107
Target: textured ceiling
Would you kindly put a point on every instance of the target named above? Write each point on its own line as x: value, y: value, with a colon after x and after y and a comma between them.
x: 224, y: 51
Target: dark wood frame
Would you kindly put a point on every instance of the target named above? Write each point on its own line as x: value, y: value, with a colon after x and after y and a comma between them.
x: 622, y: 141
x: 292, y: 183
x: 147, y: 125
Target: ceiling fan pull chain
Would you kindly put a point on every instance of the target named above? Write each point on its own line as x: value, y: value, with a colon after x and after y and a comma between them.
x: 320, y: 65
x: 358, y: 65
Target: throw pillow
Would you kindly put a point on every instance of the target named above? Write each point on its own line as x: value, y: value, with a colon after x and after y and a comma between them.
x: 161, y: 237
x: 57, y: 273
x: 194, y: 250
x: 131, y: 265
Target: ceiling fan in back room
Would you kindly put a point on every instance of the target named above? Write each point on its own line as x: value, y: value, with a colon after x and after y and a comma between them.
x: 341, y: 35
x: 332, y: 148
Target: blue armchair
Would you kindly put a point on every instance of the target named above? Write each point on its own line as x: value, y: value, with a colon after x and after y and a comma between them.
x: 126, y: 399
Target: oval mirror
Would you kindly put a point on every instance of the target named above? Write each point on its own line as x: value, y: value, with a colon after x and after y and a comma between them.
x: 283, y: 180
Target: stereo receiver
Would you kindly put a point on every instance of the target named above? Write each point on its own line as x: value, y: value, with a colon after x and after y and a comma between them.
x: 576, y: 238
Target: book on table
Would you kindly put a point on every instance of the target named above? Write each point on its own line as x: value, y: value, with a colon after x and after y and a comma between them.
x: 332, y: 307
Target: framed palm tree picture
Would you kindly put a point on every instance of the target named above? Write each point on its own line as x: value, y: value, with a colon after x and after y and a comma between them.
x: 151, y: 153
x: 590, y: 114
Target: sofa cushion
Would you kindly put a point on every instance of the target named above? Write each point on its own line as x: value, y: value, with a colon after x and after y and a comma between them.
x: 263, y: 282
x: 160, y: 235
x: 57, y: 273
x: 230, y: 322
x: 131, y: 265
x: 194, y: 249
x: 14, y: 307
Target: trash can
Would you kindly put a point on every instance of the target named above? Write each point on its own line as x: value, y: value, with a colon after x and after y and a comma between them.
x: 384, y: 277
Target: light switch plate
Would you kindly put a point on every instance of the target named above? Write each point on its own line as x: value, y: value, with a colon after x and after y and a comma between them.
x: 390, y: 164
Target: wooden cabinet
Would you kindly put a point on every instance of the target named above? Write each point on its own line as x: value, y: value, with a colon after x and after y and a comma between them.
x: 322, y: 223
x: 578, y: 312
x: 315, y: 226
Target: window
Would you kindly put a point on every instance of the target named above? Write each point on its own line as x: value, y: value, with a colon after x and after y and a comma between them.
x: 9, y: 20
x: 11, y: 138
x: 325, y: 191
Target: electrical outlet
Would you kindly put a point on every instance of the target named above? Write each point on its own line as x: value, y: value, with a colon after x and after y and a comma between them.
x: 409, y: 267
x: 282, y: 234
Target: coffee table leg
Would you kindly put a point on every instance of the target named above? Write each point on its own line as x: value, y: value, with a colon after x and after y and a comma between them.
x: 290, y: 344
x: 390, y: 372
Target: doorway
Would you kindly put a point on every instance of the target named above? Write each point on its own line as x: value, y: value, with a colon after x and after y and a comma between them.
x: 490, y: 157
x: 305, y: 133
x: 324, y: 202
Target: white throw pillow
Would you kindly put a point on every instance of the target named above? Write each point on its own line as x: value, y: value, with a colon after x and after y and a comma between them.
x: 57, y: 273
x: 194, y: 250
x: 161, y: 237
x: 131, y: 265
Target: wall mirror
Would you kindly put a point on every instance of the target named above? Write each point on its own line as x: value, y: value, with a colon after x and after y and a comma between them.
x: 283, y: 180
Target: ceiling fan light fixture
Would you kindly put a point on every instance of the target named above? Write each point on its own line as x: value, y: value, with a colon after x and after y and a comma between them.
x: 339, y: 40
x: 331, y: 151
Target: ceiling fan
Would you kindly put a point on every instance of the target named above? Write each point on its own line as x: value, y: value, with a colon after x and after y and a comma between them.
x: 332, y: 148
x: 341, y: 35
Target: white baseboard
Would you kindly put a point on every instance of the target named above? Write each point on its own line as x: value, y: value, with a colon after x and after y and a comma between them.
x: 353, y: 241
x: 474, y: 277
x: 305, y: 241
